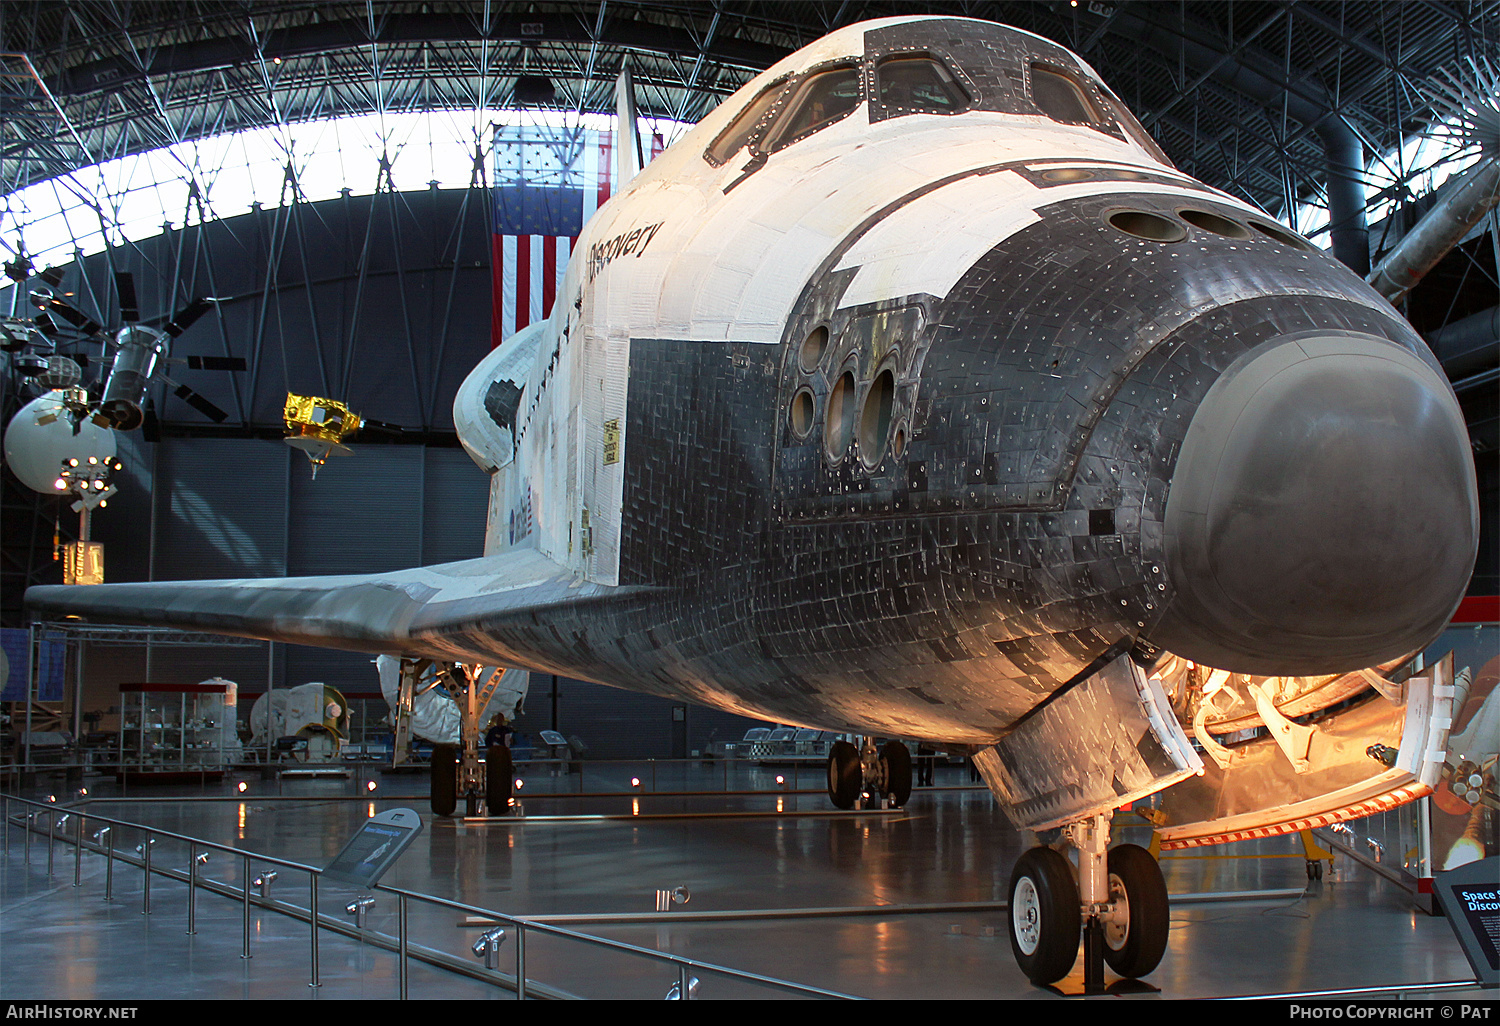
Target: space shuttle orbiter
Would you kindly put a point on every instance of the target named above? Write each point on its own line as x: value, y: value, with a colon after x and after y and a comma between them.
x: 915, y: 393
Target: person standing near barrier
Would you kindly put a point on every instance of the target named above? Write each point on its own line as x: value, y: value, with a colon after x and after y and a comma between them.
x: 500, y: 732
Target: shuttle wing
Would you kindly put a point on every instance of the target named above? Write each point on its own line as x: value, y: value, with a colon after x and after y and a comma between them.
x: 436, y: 611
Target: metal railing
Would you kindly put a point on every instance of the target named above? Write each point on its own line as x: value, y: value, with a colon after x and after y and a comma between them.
x: 713, y: 776
x: 543, y: 776
x: 70, y: 825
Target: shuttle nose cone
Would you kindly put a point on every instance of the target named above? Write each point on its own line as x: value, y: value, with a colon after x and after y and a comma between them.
x: 1323, y: 513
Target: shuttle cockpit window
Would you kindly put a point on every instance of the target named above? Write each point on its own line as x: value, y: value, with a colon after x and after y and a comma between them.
x: 1060, y: 97
x: 918, y: 83
x: 743, y: 128
x: 823, y: 98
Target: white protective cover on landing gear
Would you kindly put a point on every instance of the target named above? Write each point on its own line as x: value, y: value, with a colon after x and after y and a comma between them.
x: 434, y: 714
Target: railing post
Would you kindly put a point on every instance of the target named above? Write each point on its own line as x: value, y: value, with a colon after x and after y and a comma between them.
x: 146, y: 883
x: 313, y: 919
x: 109, y: 864
x: 683, y: 980
x: 401, y: 946
x: 520, y: 961
x: 192, y: 887
x: 78, y: 851
x: 51, y: 835
x: 245, y: 911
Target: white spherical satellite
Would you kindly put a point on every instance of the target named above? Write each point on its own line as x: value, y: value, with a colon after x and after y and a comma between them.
x: 41, y: 438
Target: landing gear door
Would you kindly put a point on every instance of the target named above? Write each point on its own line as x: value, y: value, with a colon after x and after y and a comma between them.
x: 1105, y: 742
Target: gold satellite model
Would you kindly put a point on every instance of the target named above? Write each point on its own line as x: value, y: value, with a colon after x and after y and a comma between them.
x: 318, y: 426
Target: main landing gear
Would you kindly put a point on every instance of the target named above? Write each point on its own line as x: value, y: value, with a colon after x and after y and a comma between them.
x: 456, y: 770
x: 450, y: 781
x: 1119, y: 897
x: 867, y: 775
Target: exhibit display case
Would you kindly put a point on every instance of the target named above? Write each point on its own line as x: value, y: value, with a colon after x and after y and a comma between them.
x: 172, y: 730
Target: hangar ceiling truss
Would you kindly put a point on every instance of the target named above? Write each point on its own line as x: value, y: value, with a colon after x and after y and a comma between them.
x: 1226, y: 87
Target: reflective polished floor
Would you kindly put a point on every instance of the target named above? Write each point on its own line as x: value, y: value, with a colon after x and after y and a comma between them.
x: 903, y: 904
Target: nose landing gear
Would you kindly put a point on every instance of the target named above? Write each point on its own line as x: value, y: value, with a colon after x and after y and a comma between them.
x: 1118, y: 897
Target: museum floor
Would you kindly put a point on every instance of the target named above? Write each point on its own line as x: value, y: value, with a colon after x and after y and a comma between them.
x: 893, y: 904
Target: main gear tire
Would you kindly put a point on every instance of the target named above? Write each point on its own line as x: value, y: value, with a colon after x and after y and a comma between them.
x: 845, y: 776
x: 444, y: 768
x: 897, y: 772
x: 499, y: 772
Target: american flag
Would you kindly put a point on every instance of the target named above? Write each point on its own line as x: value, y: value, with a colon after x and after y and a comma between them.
x: 548, y: 183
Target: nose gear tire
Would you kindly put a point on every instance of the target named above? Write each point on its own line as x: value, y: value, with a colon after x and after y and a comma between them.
x: 1045, y: 923
x: 1135, y: 949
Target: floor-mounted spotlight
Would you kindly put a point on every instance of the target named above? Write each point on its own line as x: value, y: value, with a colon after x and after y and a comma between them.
x: 359, y: 908
x: 675, y: 994
x: 487, y: 947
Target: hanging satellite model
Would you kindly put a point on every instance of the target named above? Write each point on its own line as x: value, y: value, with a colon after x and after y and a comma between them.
x: 51, y: 449
x: 139, y: 348
x: 51, y: 452
x: 135, y: 352
x: 320, y: 426
x: 62, y: 442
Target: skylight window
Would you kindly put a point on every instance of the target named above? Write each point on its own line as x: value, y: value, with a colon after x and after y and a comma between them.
x: 131, y: 198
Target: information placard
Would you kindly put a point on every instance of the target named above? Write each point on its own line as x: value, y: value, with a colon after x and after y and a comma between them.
x: 375, y: 847
x: 1470, y: 898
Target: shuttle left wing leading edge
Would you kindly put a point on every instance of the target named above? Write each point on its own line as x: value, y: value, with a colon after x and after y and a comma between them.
x: 474, y: 611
